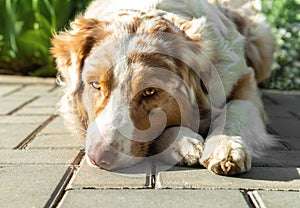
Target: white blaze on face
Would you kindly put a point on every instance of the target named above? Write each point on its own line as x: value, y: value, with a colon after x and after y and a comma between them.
x: 104, y: 130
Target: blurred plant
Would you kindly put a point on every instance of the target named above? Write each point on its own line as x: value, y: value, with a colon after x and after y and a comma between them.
x: 25, y: 32
x: 284, y: 17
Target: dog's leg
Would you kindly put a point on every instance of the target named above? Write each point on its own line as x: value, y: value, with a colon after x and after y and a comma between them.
x: 179, y: 145
x: 228, y: 152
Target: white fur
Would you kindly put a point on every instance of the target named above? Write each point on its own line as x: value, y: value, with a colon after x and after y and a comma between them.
x: 243, y: 119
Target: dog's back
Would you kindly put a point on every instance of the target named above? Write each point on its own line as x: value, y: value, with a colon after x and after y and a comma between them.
x: 246, y: 15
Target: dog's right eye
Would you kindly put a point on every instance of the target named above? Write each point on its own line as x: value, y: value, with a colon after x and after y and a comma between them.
x: 96, y: 85
x: 149, y: 92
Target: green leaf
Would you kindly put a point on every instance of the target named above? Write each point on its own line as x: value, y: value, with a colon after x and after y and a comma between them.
x: 35, y: 43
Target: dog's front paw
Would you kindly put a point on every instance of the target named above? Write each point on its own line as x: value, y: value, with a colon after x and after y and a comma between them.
x: 180, y: 145
x: 189, y: 149
x: 226, y: 155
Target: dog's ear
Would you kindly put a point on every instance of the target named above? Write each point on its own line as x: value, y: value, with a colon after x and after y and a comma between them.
x: 71, y: 48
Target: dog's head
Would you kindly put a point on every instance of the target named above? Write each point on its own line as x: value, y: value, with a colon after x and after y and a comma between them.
x: 127, y: 78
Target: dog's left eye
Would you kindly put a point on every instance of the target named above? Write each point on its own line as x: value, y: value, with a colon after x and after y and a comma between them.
x: 149, y: 92
x: 96, y: 85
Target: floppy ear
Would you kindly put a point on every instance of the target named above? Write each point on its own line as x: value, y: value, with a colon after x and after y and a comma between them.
x: 70, y: 48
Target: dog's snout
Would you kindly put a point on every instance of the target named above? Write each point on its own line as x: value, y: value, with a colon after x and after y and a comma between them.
x: 103, y: 157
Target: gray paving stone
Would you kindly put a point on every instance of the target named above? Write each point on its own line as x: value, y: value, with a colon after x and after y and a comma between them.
x: 294, y: 143
x: 267, y: 101
x: 12, y: 134
x: 56, y: 141
x: 280, y: 199
x: 45, y: 101
x: 285, y: 127
x: 154, y: 198
x: 55, y: 127
x: 10, y: 103
x: 5, y: 89
x: 29, y: 185
x: 277, y: 111
x: 36, y: 90
x: 279, y: 159
x: 289, y: 101
x: 50, y: 110
x: 4, y: 79
x: 45, y: 156
x: 13, y: 119
x: 259, y: 178
x: 89, y: 177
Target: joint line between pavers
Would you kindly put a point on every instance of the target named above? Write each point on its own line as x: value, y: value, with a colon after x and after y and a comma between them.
x: 79, y: 158
x: 22, y: 105
x: 15, y: 90
x: 62, y: 187
x: 271, y: 100
x: 286, y: 145
x: 256, y: 199
x: 59, y: 192
x: 31, y: 136
x: 247, y: 198
x: 295, y: 115
x: 53, y: 88
x: 77, y: 164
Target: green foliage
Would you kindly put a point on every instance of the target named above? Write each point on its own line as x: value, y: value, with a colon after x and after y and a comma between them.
x: 284, y: 17
x: 25, y: 32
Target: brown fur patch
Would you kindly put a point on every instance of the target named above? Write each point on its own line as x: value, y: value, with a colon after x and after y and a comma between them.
x: 139, y: 149
x: 259, y: 46
x: 70, y: 49
x: 102, y: 97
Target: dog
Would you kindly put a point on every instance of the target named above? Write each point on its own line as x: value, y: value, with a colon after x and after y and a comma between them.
x: 170, y: 79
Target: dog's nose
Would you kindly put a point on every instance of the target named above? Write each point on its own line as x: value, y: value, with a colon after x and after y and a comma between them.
x: 103, y: 158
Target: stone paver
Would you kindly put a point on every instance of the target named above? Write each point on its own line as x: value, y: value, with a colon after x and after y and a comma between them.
x: 37, y: 111
x: 294, y: 142
x: 33, y: 157
x: 279, y: 158
x: 158, y: 198
x: 258, y: 178
x: 289, y: 101
x: 22, y: 119
x: 279, y: 199
x: 88, y: 177
x: 56, y: 141
x: 36, y: 90
x: 8, y: 80
x: 55, y: 127
x: 30, y: 185
x: 45, y: 101
x: 11, y: 103
x: 42, y: 164
x: 6, y: 89
x: 13, y: 134
x: 285, y: 127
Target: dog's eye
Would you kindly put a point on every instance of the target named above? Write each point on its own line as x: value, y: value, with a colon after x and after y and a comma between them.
x: 149, y: 92
x: 96, y: 85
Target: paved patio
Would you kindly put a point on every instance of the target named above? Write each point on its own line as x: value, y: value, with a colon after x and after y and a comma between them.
x: 41, y: 165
